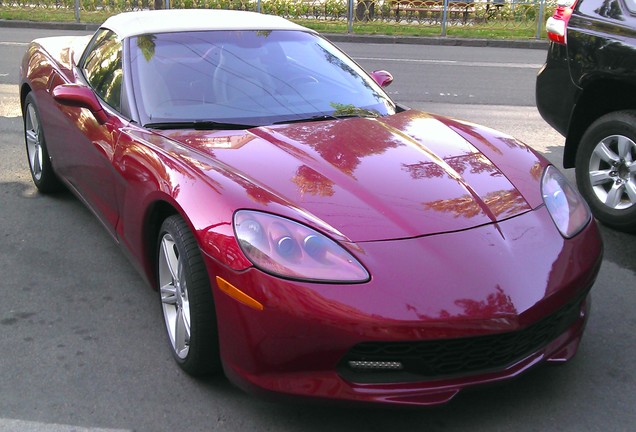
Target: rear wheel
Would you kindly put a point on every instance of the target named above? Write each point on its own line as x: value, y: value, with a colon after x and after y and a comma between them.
x: 186, y: 299
x: 39, y: 162
x: 606, y: 169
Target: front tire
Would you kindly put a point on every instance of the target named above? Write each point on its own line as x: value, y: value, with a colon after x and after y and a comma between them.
x: 606, y: 169
x: 40, y: 165
x: 186, y: 299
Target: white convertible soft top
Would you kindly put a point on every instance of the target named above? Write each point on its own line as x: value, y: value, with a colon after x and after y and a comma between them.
x: 180, y: 20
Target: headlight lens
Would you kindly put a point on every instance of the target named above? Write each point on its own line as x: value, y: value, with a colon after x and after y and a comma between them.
x: 289, y: 249
x: 569, y: 211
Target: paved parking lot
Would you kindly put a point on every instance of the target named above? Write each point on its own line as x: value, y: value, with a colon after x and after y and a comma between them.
x: 83, y: 348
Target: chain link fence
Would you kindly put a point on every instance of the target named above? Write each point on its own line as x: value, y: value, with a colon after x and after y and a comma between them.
x: 500, y: 18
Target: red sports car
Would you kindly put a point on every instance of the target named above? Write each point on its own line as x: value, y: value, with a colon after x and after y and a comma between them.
x: 304, y: 232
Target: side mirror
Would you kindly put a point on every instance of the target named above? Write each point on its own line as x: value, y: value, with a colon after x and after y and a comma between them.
x: 80, y: 96
x: 382, y: 77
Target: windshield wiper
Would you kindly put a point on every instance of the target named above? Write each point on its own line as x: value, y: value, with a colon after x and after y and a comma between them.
x: 198, y: 125
x: 320, y: 118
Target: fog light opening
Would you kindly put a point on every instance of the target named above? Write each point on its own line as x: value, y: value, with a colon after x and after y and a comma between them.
x: 375, y: 365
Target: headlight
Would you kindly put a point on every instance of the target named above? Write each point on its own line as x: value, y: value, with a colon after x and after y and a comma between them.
x: 567, y: 208
x: 289, y: 249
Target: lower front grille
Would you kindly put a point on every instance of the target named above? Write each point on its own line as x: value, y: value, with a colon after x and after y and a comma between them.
x: 436, y: 359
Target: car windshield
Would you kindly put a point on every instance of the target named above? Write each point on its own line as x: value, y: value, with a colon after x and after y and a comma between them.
x: 248, y: 78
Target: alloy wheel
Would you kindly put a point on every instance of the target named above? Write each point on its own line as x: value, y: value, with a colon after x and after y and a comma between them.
x: 33, y: 141
x: 612, y: 172
x: 174, y: 296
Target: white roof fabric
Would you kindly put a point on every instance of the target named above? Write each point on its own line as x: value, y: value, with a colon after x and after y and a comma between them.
x: 129, y: 24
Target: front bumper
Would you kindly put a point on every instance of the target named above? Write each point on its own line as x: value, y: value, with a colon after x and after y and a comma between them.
x: 489, y: 281
x: 330, y: 385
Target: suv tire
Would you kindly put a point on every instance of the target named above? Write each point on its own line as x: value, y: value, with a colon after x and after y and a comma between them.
x: 606, y: 169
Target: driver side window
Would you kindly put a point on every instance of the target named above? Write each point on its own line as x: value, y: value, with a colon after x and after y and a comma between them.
x: 102, y: 67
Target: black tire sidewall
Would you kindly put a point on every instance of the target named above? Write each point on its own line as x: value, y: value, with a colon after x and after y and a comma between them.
x: 203, y: 354
x: 616, y: 123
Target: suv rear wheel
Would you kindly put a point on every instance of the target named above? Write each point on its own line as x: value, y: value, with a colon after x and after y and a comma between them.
x: 606, y: 169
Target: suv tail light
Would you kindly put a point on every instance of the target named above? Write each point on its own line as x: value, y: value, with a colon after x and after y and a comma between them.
x: 557, y: 24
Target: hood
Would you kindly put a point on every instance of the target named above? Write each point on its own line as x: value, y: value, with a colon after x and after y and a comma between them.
x: 403, y: 176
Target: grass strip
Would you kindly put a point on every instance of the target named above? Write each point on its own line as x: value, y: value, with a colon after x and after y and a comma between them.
x: 483, y: 30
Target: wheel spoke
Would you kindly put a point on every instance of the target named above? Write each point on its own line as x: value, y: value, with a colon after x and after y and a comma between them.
x: 600, y: 177
x: 32, y: 149
x: 625, y: 148
x: 185, y: 304
x: 32, y: 138
x: 615, y: 195
x: 630, y: 188
x: 181, y: 332
x: 605, y: 153
x: 37, y: 160
x: 169, y: 294
x: 35, y: 122
x: 172, y: 260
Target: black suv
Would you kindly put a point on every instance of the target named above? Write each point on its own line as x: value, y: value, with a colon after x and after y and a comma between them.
x: 587, y: 92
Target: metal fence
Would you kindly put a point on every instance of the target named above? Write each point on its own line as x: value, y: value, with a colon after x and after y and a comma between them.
x: 375, y: 16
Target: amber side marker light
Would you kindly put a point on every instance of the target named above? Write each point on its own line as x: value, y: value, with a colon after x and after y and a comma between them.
x: 237, y: 294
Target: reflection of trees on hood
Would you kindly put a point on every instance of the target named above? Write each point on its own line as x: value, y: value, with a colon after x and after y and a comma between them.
x: 536, y: 171
x: 344, y: 143
x: 312, y: 182
x: 146, y: 44
x: 502, y: 203
x: 477, y: 163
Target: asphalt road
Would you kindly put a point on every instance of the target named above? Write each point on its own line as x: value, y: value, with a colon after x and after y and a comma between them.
x: 82, y: 345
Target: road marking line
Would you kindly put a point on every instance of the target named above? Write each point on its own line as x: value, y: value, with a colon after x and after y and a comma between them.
x: 10, y: 425
x: 14, y: 43
x: 456, y: 63
x: 9, y: 102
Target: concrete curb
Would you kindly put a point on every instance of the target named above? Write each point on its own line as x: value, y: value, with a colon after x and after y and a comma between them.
x: 48, y: 25
x: 334, y: 37
x: 443, y: 41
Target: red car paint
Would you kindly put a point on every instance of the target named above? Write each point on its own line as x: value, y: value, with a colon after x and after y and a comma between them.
x: 447, y: 217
